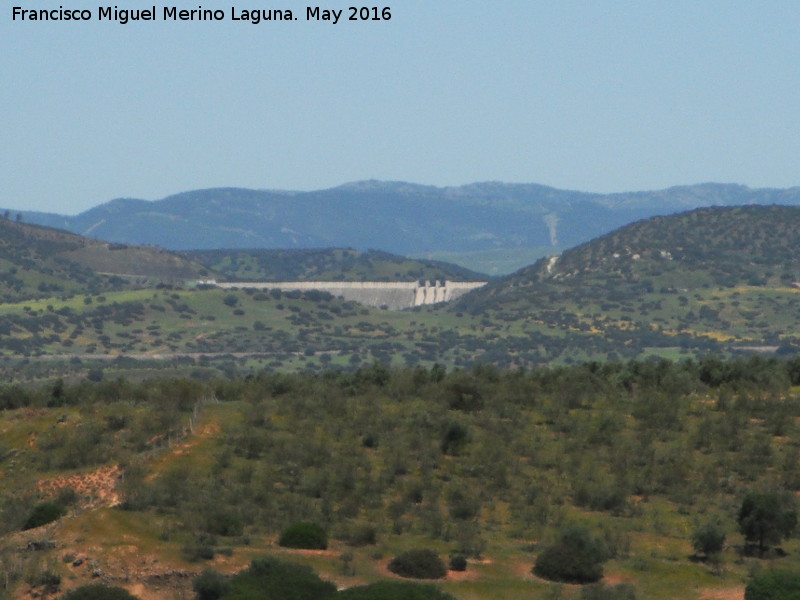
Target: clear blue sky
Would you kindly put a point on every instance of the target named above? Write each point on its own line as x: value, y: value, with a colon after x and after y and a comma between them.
x: 596, y: 95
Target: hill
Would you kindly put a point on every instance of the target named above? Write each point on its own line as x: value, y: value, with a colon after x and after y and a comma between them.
x: 326, y: 264
x: 40, y: 261
x: 490, y: 227
x: 720, y: 279
x: 714, y: 278
x: 722, y: 246
x: 150, y: 483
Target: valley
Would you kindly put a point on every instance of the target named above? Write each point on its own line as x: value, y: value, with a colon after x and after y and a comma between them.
x: 181, y: 410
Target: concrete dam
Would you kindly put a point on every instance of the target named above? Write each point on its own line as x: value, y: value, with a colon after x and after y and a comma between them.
x: 394, y: 295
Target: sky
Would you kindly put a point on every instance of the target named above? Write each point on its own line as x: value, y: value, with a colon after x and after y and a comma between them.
x: 598, y: 96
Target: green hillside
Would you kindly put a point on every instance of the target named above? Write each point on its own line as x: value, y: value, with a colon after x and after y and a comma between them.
x: 151, y: 483
x: 39, y: 262
x: 167, y: 429
x: 711, y: 279
x: 326, y: 264
x: 34, y: 263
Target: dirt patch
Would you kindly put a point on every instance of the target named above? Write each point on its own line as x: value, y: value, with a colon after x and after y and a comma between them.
x: 731, y: 593
x: 468, y: 575
x: 615, y: 579
x: 209, y: 429
x: 143, y: 592
x: 523, y: 568
x: 95, y: 488
x: 305, y: 552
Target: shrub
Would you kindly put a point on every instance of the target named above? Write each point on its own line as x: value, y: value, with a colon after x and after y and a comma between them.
x: 708, y: 539
x: 43, y: 513
x: 67, y: 496
x: 98, y: 591
x: 419, y: 564
x: 773, y: 585
x: 225, y: 522
x: 198, y: 552
x: 271, y: 579
x: 46, y: 579
x: 361, y: 535
x: 304, y: 535
x: 395, y: 590
x: 458, y: 562
x: 462, y: 505
x: 576, y: 557
x: 454, y: 439
x: 210, y: 585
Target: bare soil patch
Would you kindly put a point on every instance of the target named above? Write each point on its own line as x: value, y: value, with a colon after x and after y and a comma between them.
x: 731, y: 593
x: 95, y: 488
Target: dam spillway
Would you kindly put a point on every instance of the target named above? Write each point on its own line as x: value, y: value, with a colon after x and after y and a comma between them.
x: 393, y: 295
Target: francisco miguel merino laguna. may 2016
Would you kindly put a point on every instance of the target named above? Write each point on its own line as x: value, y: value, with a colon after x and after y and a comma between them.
x: 173, y: 13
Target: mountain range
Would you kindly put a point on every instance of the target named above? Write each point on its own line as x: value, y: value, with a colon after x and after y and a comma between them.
x: 490, y: 227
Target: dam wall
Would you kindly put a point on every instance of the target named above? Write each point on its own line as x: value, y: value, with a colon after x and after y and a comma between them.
x: 394, y: 295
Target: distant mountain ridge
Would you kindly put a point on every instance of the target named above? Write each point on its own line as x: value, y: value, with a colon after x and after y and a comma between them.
x: 397, y: 217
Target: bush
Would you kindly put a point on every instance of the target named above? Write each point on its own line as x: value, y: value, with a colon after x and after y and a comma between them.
x: 46, y: 579
x: 773, y: 585
x: 360, y: 535
x: 418, y: 564
x: 43, y: 513
x: 458, y: 562
x: 576, y: 557
x: 198, y: 552
x: 708, y: 539
x: 66, y: 497
x: 210, y: 585
x: 304, y: 535
x: 395, y: 590
x: 98, y: 591
x: 271, y: 579
x: 225, y: 523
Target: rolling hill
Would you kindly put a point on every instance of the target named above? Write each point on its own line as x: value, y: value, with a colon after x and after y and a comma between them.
x: 722, y: 246
x: 718, y: 278
x: 40, y: 261
x: 489, y: 227
x: 326, y: 264
x: 149, y: 484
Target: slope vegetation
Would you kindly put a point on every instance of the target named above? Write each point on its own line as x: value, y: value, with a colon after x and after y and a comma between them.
x: 327, y: 264
x: 722, y: 275
x: 40, y: 261
x: 161, y: 479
